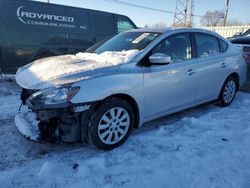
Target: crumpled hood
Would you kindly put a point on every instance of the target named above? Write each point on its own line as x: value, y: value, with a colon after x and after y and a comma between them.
x: 59, y: 70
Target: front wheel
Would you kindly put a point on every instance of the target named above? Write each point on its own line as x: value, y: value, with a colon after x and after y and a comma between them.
x: 228, y: 92
x: 111, y: 124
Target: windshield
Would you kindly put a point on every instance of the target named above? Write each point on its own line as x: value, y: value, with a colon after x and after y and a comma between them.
x: 126, y: 41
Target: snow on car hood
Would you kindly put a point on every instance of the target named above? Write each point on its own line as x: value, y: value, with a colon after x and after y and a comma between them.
x: 65, y: 69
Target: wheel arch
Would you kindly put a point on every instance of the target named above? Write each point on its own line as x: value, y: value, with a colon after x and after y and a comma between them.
x: 236, y: 77
x: 219, y: 100
x: 129, y: 99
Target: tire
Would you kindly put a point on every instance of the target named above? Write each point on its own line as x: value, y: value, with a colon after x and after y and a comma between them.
x: 228, y: 92
x: 110, y: 125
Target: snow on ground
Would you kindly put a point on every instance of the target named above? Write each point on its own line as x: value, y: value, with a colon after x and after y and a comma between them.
x: 206, y: 146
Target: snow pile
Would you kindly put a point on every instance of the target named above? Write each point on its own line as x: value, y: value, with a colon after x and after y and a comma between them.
x: 108, y: 58
x: 47, y: 69
x: 27, y: 125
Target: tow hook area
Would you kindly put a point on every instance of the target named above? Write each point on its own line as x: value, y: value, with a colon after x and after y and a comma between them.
x: 70, y: 128
x: 48, y: 130
x: 65, y: 128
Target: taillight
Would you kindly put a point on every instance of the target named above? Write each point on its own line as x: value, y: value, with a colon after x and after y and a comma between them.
x: 244, y: 56
x: 246, y: 53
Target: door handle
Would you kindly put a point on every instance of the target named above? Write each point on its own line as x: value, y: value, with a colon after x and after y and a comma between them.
x: 224, y: 65
x: 190, y: 72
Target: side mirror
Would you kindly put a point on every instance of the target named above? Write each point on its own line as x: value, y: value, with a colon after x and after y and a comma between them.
x: 160, y: 58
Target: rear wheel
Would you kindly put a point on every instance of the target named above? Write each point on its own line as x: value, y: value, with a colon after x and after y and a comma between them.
x: 111, y: 124
x: 228, y: 92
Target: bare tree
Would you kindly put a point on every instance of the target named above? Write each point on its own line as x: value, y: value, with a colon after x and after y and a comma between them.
x: 212, y: 18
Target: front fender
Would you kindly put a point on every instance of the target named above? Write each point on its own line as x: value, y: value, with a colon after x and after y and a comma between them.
x: 99, y: 88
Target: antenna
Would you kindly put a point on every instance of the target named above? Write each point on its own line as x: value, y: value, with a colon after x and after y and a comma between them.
x: 183, y: 16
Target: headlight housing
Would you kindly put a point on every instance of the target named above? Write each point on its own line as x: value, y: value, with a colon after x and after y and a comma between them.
x: 52, y: 97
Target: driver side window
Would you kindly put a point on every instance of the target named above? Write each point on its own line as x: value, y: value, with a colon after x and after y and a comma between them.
x: 178, y: 47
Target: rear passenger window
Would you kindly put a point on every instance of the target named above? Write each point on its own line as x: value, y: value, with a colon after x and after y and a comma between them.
x: 224, y: 46
x: 206, y: 45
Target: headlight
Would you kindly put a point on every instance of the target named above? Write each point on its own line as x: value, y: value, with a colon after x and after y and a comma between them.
x: 58, y: 95
x: 53, y: 96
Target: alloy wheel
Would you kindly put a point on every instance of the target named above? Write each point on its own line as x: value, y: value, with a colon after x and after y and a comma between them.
x: 229, y: 91
x: 113, y: 125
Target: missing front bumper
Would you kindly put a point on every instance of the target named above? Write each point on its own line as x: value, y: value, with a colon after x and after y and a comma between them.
x: 52, y: 125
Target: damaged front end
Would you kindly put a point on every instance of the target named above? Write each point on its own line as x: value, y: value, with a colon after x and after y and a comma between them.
x: 51, y: 116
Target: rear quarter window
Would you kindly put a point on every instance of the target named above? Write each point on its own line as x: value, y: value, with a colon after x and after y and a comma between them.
x: 223, y: 45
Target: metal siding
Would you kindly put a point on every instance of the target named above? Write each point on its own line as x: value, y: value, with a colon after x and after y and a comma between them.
x: 228, y: 31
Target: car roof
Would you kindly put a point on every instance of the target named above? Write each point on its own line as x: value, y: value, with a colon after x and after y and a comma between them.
x: 156, y: 30
x: 166, y: 30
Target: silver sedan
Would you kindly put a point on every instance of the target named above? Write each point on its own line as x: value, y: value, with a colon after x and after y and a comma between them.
x: 120, y: 84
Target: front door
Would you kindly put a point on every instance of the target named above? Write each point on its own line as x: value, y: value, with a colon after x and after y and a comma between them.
x: 169, y: 88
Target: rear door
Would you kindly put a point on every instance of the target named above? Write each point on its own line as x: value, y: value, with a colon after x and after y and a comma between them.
x: 211, y: 67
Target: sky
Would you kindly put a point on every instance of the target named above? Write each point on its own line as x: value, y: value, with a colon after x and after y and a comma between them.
x: 238, y: 9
